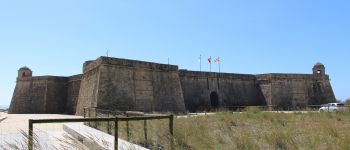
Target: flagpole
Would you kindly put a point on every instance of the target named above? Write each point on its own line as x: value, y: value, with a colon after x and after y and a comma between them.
x: 200, y: 62
x: 219, y: 63
x: 210, y: 63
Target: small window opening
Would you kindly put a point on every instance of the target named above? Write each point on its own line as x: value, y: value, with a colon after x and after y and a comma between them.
x: 318, y: 71
x: 23, y: 74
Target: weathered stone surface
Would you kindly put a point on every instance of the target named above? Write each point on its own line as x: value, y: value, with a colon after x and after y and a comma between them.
x: 232, y: 89
x: 39, y: 95
x: 120, y: 84
x: 73, y: 93
x: 131, y: 85
x: 296, y: 90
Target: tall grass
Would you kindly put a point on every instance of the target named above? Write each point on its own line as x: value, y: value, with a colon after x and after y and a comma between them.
x: 252, y: 129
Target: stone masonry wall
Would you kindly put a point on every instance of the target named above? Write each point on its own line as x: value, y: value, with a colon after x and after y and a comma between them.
x: 45, y: 94
x: 88, y: 90
x: 296, y: 89
x: 232, y: 89
x: 73, y: 93
x: 119, y: 84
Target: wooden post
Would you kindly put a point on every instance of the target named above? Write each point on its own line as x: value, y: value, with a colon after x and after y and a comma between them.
x: 95, y: 123
x: 116, y: 134
x: 89, y: 109
x: 127, y: 130
x: 108, y: 125
x: 84, y: 112
x: 145, y: 131
x: 171, y: 126
x: 30, y: 135
x: 89, y: 112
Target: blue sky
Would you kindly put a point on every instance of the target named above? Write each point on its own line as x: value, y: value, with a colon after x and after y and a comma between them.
x: 265, y: 36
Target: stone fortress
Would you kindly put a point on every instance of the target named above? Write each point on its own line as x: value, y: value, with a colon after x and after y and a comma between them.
x: 121, y: 84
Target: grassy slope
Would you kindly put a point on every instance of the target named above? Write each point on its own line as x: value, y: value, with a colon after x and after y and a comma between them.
x: 250, y: 130
x: 265, y: 131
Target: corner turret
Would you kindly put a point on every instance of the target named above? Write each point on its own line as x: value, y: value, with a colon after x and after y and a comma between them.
x: 319, y: 69
x: 24, y: 72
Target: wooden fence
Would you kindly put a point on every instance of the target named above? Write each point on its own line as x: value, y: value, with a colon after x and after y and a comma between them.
x: 116, y: 120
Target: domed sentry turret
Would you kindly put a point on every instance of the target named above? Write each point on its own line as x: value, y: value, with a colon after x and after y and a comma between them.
x: 319, y: 69
x: 24, y: 72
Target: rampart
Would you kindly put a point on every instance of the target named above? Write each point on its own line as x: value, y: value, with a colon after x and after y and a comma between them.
x: 121, y: 84
x: 219, y: 90
x: 45, y: 94
x: 296, y: 89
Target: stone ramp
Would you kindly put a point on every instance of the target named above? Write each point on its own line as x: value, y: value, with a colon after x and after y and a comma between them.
x: 49, y: 136
x: 51, y: 140
x: 95, y: 139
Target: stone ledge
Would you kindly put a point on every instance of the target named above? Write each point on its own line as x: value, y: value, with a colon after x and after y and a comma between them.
x: 96, y: 139
x: 2, y: 118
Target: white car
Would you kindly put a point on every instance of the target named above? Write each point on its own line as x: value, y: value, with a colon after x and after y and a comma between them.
x: 332, y: 107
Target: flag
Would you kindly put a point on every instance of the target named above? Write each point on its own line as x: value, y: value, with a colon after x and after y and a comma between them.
x: 209, y: 59
x: 217, y: 60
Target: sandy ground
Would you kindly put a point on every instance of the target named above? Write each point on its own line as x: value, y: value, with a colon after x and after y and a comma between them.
x: 11, y: 127
x: 17, y: 122
x: 49, y: 135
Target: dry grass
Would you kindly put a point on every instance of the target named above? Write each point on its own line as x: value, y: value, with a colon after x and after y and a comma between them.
x: 249, y: 130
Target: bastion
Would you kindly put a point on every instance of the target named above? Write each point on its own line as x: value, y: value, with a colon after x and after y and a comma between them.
x: 122, y: 84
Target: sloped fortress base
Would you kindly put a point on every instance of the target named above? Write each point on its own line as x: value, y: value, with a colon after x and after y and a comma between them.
x: 121, y: 84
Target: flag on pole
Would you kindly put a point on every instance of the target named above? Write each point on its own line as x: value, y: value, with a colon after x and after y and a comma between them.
x: 217, y: 60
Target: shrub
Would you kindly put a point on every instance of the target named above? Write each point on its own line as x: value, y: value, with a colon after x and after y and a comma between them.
x: 252, y: 109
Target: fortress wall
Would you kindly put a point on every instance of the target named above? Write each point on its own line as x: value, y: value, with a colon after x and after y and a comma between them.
x: 56, y: 95
x: 321, y: 91
x: 116, y: 88
x: 28, y: 97
x: 168, y: 94
x: 120, y: 84
x: 140, y: 86
x: 88, y: 90
x: 73, y: 93
x: 44, y: 94
x: 296, y: 89
x: 232, y: 89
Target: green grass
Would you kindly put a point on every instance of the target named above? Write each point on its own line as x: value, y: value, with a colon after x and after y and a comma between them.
x: 249, y: 130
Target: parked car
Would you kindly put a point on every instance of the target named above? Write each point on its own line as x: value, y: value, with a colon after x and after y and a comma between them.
x: 332, y: 107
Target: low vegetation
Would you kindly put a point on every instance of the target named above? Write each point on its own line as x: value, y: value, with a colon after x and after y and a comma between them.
x: 347, y: 102
x: 252, y: 129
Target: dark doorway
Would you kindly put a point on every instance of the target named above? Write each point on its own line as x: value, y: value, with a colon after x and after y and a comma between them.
x: 214, y: 99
